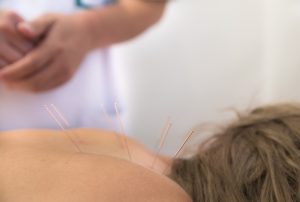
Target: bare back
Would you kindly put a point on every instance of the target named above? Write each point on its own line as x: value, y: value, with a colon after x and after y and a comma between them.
x: 45, y: 166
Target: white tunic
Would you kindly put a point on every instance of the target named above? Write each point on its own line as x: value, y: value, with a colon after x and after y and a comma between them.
x: 79, y: 100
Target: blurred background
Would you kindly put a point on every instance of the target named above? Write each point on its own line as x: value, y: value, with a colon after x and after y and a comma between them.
x: 205, y: 57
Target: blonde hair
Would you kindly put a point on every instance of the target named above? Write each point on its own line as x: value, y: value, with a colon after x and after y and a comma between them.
x: 254, y: 159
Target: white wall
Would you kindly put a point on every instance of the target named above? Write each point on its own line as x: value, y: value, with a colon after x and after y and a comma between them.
x: 203, y: 57
x: 282, y: 45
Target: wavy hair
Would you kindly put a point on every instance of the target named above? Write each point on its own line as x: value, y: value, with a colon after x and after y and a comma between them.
x: 254, y: 159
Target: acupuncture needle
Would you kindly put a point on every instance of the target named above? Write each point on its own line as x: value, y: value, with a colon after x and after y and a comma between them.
x: 53, y: 116
x: 163, y: 136
x: 122, y: 129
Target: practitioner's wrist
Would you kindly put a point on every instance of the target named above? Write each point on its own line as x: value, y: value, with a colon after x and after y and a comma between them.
x: 93, y: 28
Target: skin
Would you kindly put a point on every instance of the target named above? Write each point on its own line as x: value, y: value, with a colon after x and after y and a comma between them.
x: 45, y: 166
x: 14, y: 46
x: 62, y: 41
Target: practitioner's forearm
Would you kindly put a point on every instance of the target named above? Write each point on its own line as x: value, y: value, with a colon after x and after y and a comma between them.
x: 121, y: 21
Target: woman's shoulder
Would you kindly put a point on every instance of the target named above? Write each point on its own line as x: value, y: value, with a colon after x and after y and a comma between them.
x: 130, y: 182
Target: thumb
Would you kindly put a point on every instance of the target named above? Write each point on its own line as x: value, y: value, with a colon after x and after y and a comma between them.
x: 34, y: 29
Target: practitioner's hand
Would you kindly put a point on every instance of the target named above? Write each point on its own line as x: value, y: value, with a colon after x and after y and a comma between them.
x: 13, y: 45
x: 62, y: 42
